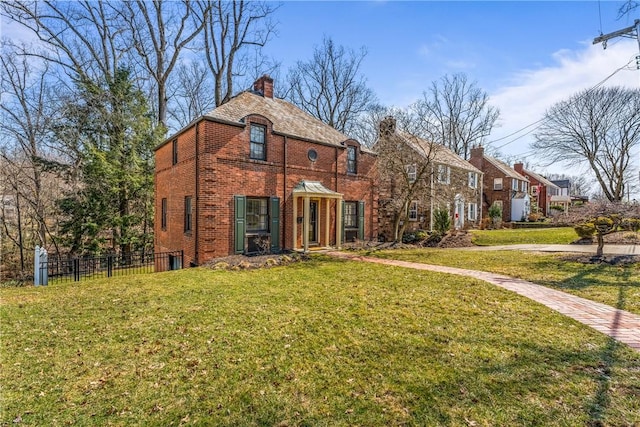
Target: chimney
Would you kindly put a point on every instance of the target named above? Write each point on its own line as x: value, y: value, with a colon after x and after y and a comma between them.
x: 519, y: 167
x: 477, y: 156
x: 264, y: 85
x: 387, y: 126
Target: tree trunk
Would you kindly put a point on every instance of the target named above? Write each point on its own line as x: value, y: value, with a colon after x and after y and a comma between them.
x: 600, y: 249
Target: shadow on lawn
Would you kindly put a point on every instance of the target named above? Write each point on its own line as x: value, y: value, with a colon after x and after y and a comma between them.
x: 601, y: 399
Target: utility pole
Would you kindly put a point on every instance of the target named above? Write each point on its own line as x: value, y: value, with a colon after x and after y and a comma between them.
x: 632, y: 31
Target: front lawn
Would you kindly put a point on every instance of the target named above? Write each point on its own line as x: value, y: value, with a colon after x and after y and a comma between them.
x: 614, y: 285
x: 546, y: 236
x: 327, y: 342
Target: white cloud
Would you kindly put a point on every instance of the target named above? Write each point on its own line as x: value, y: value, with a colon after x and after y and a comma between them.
x: 534, y: 91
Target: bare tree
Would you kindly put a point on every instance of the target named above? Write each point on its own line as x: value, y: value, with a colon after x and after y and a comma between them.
x: 160, y: 31
x: 191, y: 91
x: 330, y: 86
x: 27, y: 113
x: 404, y: 167
x: 598, y: 128
x: 82, y: 37
x: 458, y: 112
x: 231, y: 27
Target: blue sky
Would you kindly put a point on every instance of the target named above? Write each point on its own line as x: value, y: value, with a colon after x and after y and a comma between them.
x: 525, y: 55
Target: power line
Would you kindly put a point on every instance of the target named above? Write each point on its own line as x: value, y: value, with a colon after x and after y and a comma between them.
x: 537, y: 122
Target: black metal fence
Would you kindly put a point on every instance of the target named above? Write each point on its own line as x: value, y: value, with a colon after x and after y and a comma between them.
x: 111, y: 265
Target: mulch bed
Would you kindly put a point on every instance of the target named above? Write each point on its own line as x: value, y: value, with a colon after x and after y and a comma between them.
x: 455, y: 239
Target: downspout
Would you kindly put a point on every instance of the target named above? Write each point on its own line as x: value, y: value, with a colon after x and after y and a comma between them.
x: 432, y: 191
x: 283, y: 231
x: 197, y: 215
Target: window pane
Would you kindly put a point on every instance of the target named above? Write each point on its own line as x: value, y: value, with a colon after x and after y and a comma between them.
x: 257, y: 134
x: 257, y: 145
x: 351, y: 215
x: 257, y: 215
x: 351, y: 159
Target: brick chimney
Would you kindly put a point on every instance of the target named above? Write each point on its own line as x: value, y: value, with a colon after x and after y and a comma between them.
x: 477, y: 156
x: 264, y: 85
x: 519, y: 167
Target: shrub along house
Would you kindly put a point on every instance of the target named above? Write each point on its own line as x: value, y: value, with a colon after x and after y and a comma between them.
x: 429, y: 176
x: 256, y: 175
x: 503, y: 187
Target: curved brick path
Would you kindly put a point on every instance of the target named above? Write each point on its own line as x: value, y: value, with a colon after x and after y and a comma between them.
x: 619, y: 324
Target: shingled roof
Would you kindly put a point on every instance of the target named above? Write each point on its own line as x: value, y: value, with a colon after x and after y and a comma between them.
x: 441, y: 154
x: 287, y: 119
x: 504, y: 168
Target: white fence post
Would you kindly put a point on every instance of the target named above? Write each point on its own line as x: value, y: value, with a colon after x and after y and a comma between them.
x: 40, y: 274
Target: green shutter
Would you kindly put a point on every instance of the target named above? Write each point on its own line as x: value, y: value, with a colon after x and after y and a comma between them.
x: 240, y: 203
x: 361, y: 220
x: 343, y: 213
x: 274, y: 213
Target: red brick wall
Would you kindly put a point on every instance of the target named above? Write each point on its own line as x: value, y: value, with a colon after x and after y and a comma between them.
x: 225, y: 170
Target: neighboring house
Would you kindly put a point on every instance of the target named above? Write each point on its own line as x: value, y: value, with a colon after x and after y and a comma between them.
x: 541, y: 190
x: 257, y: 174
x: 451, y: 183
x: 503, y: 186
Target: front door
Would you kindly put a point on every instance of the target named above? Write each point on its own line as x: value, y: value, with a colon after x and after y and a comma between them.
x: 458, y: 213
x: 313, y: 222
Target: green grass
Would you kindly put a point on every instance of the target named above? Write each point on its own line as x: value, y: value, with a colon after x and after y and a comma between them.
x: 326, y: 342
x: 560, y: 235
x: 617, y: 286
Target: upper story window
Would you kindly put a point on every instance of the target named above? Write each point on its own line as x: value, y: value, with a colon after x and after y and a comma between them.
x: 412, y: 173
x: 163, y: 214
x: 258, y: 142
x: 514, y: 184
x: 525, y: 186
x: 174, y: 152
x: 444, y: 174
x: 497, y: 183
x: 351, y: 159
x: 473, y: 179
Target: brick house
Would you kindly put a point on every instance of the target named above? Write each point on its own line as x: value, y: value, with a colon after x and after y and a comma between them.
x: 450, y: 182
x: 541, y: 190
x: 257, y: 174
x: 502, y: 186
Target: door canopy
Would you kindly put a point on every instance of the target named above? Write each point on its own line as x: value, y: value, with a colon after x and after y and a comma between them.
x: 314, y: 189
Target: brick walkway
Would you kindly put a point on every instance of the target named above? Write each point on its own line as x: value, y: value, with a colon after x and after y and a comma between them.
x: 619, y: 324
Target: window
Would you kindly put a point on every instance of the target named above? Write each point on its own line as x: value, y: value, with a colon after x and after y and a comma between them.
x: 525, y: 186
x: 257, y: 215
x: 498, y: 203
x: 412, y: 173
x: 514, y: 184
x: 444, y: 174
x: 473, y: 211
x: 187, y: 214
x: 473, y: 179
x: 534, y: 190
x: 163, y: 216
x: 351, y: 159
x: 497, y: 183
x: 413, y: 211
x: 257, y: 149
x: 174, y: 152
x: 350, y: 214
